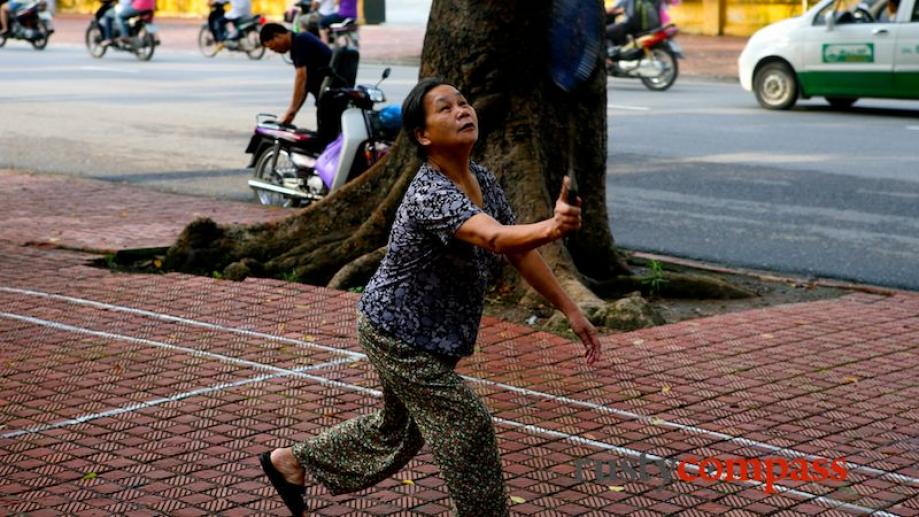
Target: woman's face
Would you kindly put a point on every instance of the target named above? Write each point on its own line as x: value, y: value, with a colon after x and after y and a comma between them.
x: 450, y: 121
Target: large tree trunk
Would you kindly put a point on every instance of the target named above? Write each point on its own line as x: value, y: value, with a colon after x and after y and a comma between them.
x: 496, y: 53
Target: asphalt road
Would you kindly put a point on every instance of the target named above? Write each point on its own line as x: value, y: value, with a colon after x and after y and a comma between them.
x: 699, y: 171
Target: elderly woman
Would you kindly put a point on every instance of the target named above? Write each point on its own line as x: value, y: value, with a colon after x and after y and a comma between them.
x: 420, y: 314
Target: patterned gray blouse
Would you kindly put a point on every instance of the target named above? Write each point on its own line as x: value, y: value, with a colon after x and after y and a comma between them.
x: 430, y: 287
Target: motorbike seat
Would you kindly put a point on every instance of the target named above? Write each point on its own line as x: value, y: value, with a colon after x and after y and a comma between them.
x: 348, y: 25
x: 247, y: 19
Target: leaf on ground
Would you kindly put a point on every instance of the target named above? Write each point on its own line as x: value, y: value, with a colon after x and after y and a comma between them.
x: 89, y: 476
x: 850, y: 379
x: 157, y: 263
x: 656, y: 420
x: 309, y: 337
x: 638, y: 342
x: 616, y: 488
x: 408, y: 482
x: 665, y: 388
x: 516, y: 499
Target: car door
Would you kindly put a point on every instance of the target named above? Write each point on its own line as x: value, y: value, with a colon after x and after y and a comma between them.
x: 847, y: 59
x: 906, y: 55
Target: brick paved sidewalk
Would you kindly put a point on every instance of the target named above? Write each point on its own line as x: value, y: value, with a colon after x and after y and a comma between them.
x: 713, y: 57
x: 153, y: 394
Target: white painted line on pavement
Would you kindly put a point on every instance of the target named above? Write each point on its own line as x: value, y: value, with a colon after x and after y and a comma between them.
x: 511, y: 423
x: 612, y: 107
x: 524, y: 391
x: 150, y: 342
x: 110, y: 69
x: 180, y: 396
x: 176, y: 319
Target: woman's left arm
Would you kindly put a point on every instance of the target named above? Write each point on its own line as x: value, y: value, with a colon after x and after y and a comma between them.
x: 536, y: 272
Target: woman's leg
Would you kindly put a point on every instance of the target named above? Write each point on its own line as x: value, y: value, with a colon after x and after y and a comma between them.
x: 452, y: 420
x: 363, y: 451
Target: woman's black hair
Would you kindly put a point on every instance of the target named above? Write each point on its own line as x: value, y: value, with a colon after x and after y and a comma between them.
x: 413, y: 115
x: 270, y: 30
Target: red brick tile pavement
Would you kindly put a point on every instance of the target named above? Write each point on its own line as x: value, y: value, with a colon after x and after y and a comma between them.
x: 152, y: 394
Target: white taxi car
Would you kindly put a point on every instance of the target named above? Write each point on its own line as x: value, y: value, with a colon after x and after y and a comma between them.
x: 840, y: 50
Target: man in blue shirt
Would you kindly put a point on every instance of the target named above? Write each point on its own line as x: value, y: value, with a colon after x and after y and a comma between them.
x: 311, y: 59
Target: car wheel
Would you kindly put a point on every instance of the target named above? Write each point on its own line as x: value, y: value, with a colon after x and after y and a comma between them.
x: 775, y: 86
x: 841, y: 102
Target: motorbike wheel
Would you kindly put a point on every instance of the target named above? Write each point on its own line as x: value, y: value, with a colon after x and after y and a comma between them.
x: 42, y: 41
x: 671, y: 69
x: 254, y: 48
x: 206, y: 42
x: 147, y: 45
x: 263, y: 172
x: 94, y: 41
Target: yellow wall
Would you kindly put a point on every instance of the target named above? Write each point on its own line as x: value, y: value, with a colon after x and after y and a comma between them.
x: 741, y: 17
x: 273, y: 9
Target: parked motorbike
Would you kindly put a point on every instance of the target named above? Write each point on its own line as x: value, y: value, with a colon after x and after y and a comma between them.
x: 31, y: 22
x: 246, y: 38
x: 651, y: 57
x: 295, y: 166
x: 141, y: 40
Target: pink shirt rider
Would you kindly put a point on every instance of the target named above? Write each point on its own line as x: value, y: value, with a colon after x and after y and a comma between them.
x: 144, y: 5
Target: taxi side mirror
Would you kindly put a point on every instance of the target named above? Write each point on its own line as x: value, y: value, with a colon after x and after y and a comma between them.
x: 830, y: 20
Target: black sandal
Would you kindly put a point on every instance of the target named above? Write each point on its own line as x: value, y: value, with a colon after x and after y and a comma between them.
x: 291, y: 494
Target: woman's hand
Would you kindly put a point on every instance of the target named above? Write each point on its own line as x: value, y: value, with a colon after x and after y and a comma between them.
x: 567, y: 217
x: 587, y: 334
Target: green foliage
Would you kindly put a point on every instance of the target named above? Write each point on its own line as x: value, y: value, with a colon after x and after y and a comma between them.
x: 655, y: 277
x: 290, y: 276
x: 358, y: 289
x: 217, y: 275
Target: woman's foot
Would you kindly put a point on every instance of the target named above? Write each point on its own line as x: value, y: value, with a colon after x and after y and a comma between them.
x: 284, y: 481
x: 285, y: 463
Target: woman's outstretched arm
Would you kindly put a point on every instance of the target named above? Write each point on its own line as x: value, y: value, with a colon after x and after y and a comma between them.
x: 536, y: 272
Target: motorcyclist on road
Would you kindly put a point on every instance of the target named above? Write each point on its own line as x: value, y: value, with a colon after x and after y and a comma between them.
x: 640, y: 16
x: 218, y: 22
x: 134, y: 8
x: 5, y: 9
x: 346, y: 9
x: 310, y: 58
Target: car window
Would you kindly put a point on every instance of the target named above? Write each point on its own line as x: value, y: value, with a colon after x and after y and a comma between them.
x: 915, y: 17
x: 840, y: 6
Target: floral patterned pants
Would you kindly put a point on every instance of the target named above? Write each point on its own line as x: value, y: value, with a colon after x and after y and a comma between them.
x: 424, y: 400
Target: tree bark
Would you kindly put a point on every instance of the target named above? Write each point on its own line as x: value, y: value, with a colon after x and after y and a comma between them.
x: 496, y: 53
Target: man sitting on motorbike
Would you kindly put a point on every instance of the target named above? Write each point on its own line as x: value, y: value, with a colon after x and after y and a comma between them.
x: 310, y: 57
x: 5, y: 9
x: 641, y: 16
x: 218, y: 24
x: 129, y: 11
x: 346, y: 9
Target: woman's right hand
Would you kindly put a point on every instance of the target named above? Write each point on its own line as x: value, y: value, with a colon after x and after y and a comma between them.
x: 567, y: 217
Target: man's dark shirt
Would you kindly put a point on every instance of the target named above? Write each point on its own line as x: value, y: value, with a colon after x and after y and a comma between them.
x: 307, y: 50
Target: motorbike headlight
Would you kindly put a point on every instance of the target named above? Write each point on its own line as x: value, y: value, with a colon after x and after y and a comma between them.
x: 376, y: 95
